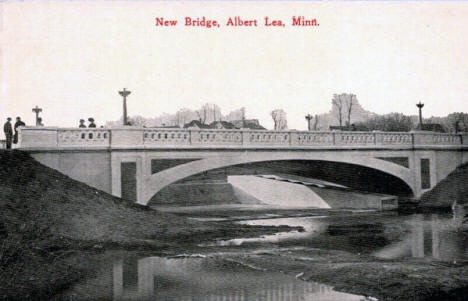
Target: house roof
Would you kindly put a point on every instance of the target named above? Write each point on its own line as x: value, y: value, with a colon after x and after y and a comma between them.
x: 196, y: 123
x: 248, y: 124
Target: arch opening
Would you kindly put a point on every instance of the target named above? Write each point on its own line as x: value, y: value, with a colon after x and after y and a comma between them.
x: 213, y: 184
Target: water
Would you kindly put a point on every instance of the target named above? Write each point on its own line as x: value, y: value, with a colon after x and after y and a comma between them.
x: 428, y: 237
x: 157, y: 278
x: 388, y: 236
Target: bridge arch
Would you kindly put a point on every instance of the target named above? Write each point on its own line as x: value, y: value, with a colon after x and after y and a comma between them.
x: 154, y: 183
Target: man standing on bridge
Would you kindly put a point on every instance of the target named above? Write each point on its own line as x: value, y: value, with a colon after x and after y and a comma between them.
x: 18, y: 123
x: 8, y: 132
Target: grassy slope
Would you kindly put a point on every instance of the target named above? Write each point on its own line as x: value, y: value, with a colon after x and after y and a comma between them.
x: 47, y: 219
x: 45, y: 215
x: 453, y: 187
x: 31, y: 192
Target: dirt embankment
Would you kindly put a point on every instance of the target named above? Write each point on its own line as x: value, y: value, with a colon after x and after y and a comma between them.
x: 386, y: 280
x: 46, y: 216
x: 453, y: 188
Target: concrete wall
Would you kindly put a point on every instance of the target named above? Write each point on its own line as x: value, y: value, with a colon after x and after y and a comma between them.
x: 195, y: 194
x: 92, y: 168
x: 337, y: 198
x: 272, y: 192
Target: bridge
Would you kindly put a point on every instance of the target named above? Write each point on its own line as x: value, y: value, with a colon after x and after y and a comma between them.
x: 137, y: 163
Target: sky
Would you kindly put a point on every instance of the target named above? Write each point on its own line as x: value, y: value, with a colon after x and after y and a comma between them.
x: 72, y: 58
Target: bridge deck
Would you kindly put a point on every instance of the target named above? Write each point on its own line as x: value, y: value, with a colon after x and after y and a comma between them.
x: 143, y: 138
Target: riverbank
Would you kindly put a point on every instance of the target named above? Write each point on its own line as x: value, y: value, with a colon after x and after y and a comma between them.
x: 46, y: 216
x: 362, y: 275
x: 54, y: 231
x: 453, y: 188
x: 363, y: 253
x: 388, y: 256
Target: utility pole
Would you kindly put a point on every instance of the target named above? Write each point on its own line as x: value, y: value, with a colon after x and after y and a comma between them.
x: 420, y: 106
x: 124, y: 94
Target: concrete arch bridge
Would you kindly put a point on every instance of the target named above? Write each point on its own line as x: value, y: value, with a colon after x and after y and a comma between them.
x: 137, y: 163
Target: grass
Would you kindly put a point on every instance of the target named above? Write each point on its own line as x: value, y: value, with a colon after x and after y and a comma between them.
x: 45, y: 216
x: 50, y: 222
x: 453, y: 187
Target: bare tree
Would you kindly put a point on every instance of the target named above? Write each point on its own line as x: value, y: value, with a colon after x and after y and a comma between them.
x: 214, y: 112
x: 337, y: 102
x: 350, y: 99
x: 202, y: 113
x: 183, y: 116
x: 279, y: 119
x: 137, y: 121
x: 316, y: 118
x: 243, y: 116
x: 344, y: 105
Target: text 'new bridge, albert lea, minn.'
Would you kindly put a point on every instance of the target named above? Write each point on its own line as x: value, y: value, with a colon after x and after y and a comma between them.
x: 153, y: 158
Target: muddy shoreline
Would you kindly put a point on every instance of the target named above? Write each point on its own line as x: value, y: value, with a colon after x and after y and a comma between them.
x: 360, y: 274
x: 346, y: 272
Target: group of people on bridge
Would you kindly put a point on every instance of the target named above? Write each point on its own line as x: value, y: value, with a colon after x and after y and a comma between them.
x: 10, y: 135
x: 90, y: 125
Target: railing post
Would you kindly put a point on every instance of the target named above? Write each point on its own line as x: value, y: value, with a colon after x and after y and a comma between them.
x: 292, y: 137
x: 334, y: 138
x: 127, y: 137
x: 464, y: 139
x: 109, y: 132
x: 245, y: 136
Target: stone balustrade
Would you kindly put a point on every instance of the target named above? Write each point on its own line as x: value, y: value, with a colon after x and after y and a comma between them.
x: 132, y: 137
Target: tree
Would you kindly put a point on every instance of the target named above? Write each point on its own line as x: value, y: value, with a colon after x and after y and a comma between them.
x: 183, y: 116
x: 393, y: 122
x: 279, y: 119
x: 202, y: 113
x: 208, y: 111
x: 316, y: 118
x: 343, y: 104
x: 350, y: 99
x: 337, y: 102
x: 137, y: 121
x: 243, y: 116
x: 457, y: 122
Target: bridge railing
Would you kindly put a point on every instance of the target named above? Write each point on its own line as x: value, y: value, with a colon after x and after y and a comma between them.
x: 132, y: 137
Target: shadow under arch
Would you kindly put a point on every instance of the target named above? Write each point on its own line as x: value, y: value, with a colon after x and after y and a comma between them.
x: 363, y: 173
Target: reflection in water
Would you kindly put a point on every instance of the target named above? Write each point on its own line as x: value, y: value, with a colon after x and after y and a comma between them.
x: 431, y: 237
x: 420, y: 236
x: 202, y: 279
x: 312, y: 225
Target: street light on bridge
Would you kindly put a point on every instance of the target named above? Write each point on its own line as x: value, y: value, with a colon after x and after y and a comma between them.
x: 308, y: 118
x: 124, y: 94
x: 420, y: 106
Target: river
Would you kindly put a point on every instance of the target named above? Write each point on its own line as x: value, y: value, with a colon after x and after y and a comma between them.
x: 217, y: 270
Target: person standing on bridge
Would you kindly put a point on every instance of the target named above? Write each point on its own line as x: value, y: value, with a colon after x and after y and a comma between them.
x: 82, y: 125
x: 91, y: 122
x: 8, y: 132
x: 18, y: 123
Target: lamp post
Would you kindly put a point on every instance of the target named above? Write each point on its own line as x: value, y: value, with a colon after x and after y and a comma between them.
x: 420, y: 106
x: 308, y: 118
x: 37, y: 110
x: 124, y: 94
